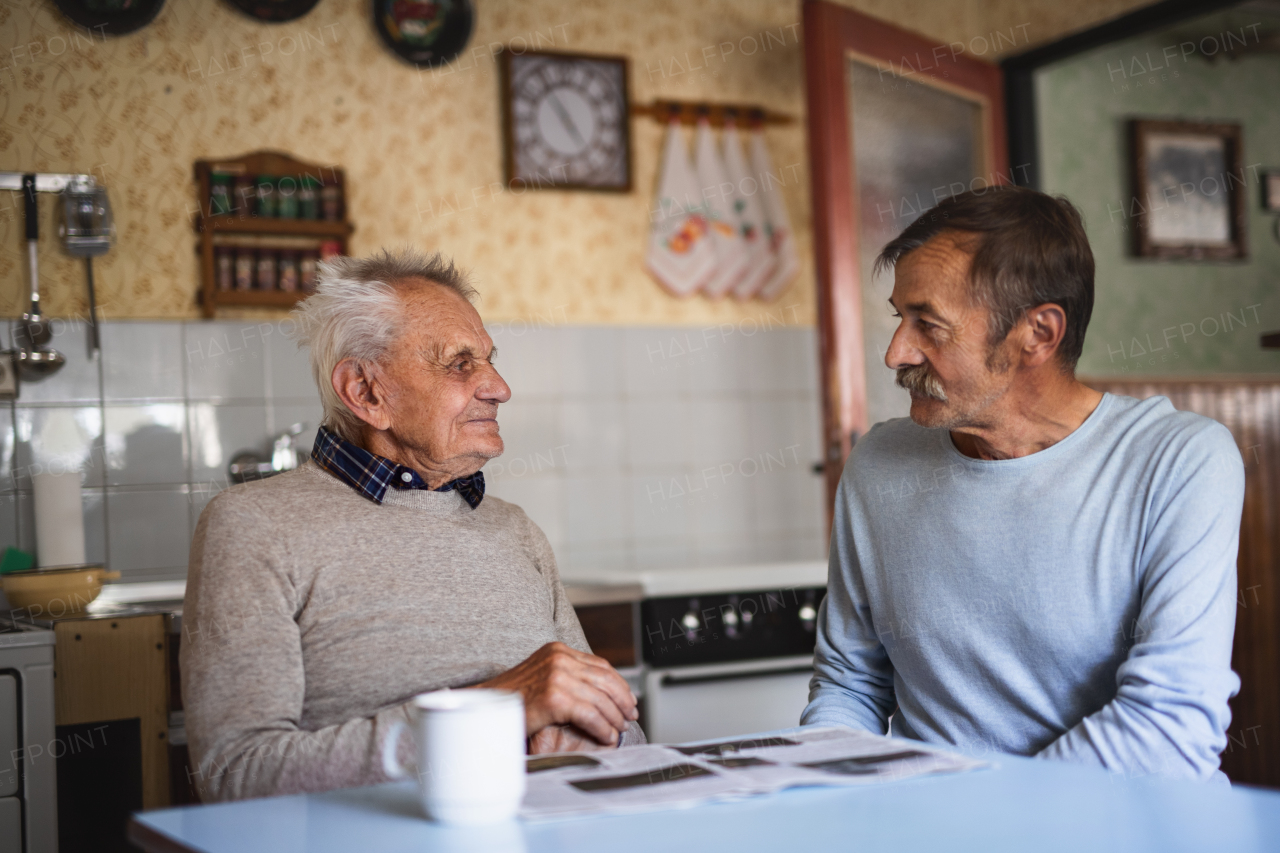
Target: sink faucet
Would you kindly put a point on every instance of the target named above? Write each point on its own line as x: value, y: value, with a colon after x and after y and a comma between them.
x: 250, y: 464
x: 284, y: 456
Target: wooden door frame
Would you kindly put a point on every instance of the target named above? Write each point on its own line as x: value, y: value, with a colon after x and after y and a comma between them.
x: 831, y: 35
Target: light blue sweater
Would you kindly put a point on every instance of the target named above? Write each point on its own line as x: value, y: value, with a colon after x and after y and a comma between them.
x: 1077, y: 603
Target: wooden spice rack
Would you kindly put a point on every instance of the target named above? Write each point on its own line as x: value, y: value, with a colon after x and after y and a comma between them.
x: 209, y: 226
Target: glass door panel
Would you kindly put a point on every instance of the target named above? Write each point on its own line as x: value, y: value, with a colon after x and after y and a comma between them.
x: 913, y: 145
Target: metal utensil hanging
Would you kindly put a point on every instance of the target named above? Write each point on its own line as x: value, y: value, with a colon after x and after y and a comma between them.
x: 35, y: 361
x: 87, y: 230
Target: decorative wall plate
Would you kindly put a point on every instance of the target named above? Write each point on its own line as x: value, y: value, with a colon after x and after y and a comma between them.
x: 274, y: 11
x: 427, y: 33
x: 110, y: 17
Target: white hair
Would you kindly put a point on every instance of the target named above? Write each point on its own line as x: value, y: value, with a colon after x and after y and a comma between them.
x: 357, y: 314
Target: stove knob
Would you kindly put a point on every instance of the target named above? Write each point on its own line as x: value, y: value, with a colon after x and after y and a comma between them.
x: 729, y: 616
x: 690, y: 621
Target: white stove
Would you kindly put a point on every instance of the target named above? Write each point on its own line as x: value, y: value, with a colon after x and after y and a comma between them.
x: 28, y: 740
x: 725, y: 650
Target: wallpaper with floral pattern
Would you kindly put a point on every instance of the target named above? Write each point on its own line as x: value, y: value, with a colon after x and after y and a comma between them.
x: 421, y: 149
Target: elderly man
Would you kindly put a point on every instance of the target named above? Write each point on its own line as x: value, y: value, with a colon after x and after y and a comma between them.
x: 319, y: 602
x: 1027, y: 565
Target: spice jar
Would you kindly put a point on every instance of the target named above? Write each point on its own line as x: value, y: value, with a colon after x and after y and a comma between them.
x: 287, y: 272
x: 287, y: 197
x: 244, y: 268
x: 331, y: 200
x: 244, y: 196
x: 219, y: 194
x: 307, y: 270
x: 266, y: 270
x: 266, y: 196
x: 309, y: 198
x: 224, y: 268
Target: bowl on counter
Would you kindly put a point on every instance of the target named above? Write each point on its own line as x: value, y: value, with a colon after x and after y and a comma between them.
x: 57, y: 590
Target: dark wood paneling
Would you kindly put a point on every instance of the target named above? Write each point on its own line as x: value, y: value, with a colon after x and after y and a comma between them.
x: 610, y: 630
x: 182, y: 777
x: 1250, y: 408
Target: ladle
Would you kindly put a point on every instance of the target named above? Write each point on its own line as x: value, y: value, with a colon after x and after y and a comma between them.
x: 33, y: 332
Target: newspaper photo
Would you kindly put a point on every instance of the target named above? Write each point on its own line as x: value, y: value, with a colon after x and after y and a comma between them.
x: 656, y: 776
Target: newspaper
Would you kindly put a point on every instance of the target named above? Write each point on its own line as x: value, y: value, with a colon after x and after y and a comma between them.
x: 643, y: 778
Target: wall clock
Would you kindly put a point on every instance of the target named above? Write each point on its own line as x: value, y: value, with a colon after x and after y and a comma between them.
x: 566, y: 121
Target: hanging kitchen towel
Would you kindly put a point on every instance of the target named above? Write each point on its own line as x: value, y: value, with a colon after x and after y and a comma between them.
x: 746, y: 203
x: 731, y: 248
x: 680, y: 254
x: 777, y: 224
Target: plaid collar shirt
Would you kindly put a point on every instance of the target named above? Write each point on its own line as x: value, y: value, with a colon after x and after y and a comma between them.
x: 372, y: 475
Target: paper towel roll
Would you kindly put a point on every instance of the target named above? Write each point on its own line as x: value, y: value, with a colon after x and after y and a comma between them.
x: 59, y: 519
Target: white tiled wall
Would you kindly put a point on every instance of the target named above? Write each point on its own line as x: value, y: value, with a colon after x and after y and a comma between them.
x: 663, y: 447
x: 152, y: 425
x: 630, y: 447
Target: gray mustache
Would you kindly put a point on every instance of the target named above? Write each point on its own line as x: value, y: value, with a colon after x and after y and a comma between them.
x: 919, y: 380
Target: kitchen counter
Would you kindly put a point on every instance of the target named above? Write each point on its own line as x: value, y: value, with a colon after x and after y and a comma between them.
x: 661, y: 583
x: 584, y: 589
x: 595, y: 594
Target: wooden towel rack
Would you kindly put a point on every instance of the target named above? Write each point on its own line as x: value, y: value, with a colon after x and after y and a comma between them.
x: 689, y: 112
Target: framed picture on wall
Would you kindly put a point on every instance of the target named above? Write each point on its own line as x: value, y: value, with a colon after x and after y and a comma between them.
x: 1188, y: 190
x: 1271, y: 192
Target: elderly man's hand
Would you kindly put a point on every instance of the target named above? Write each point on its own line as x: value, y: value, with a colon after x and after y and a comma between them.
x: 563, y: 739
x: 562, y: 686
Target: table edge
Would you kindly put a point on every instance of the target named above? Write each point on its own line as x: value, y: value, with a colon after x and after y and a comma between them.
x: 153, y: 840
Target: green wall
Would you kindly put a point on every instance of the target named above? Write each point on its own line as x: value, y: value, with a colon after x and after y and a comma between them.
x: 1084, y: 104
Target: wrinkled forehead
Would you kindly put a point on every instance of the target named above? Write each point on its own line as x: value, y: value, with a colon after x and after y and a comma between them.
x: 440, y: 322
x: 937, y: 272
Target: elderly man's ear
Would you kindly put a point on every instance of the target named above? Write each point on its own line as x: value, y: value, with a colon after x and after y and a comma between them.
x: 362, y: 389
x: 1043, y: 328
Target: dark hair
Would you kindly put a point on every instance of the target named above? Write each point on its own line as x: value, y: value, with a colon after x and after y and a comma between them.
x: 1028, y: 249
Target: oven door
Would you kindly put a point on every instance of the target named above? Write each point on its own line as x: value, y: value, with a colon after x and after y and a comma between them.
x: 725, y: 699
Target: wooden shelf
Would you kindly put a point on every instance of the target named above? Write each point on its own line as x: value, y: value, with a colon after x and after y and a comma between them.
x: 259, y: 298
x: 292, y: 227
x: 207, y: 225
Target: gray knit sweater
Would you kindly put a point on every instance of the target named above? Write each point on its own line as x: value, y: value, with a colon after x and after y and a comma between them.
x: 313, y: 615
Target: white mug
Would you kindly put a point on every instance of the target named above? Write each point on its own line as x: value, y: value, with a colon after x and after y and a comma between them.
x: 471, y: 754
